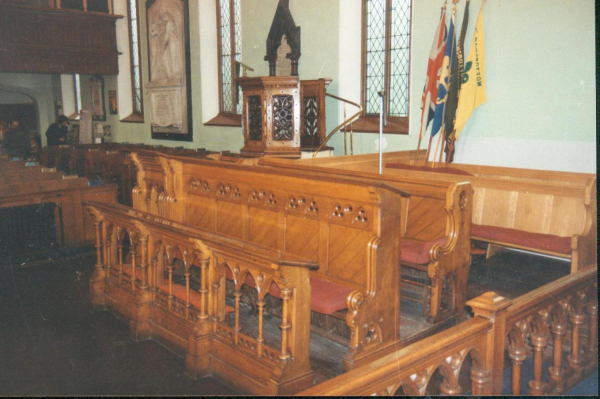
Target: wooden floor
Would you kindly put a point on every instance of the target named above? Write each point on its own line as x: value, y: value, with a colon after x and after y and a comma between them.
x: 54, y: 345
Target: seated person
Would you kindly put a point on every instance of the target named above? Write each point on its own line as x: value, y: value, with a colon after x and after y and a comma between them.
x: 57, y: 132
x: 16, y: 141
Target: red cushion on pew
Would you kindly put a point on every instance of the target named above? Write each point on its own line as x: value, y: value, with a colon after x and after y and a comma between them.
x: 546, y: 242
x: 414, y: 251
x: 449, y: 171
x: 327, y: 297
x: 179, y: 292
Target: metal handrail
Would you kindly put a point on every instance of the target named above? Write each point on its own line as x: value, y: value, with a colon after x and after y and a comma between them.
x: 343, y: 124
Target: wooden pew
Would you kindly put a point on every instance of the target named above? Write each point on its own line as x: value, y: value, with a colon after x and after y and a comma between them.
x: 296, y: 213
x: 56, y: 156
x: 545, y: 212
x: 30, y: 174
x: 197, y: 323
x: 73, y: 225
x: 435, y: 255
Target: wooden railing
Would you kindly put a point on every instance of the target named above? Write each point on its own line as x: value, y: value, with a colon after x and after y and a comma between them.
x: 553, y: 316
x: 548, y: 325
x: 188, y: 320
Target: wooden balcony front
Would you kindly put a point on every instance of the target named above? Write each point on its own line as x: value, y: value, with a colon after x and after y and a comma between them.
x: 41, y: 37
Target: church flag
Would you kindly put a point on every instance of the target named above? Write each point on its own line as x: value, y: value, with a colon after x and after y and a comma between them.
x: 472, y: 93
x: 456, y: 72
x: 434, y: 66
x: 444, y: 82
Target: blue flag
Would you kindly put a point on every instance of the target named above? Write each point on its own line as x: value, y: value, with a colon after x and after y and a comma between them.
x: 445, y: 77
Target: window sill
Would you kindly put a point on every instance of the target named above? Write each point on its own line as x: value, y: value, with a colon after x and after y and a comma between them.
x: 74, y: 117
x: 222, y: 119
x: 134, y: 118
x: 370, y: 124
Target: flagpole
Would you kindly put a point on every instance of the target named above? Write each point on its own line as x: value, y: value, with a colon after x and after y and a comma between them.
x: 436, y: 150
x: 443, y: 145
x: 428, y: 151
x: 381, y: 113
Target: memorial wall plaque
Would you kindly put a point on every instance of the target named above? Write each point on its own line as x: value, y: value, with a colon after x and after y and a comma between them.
x: 97, y: 93
x: 169, y: 88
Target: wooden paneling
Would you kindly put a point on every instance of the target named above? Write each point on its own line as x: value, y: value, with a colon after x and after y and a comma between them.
x: 202, y: 213
x: 302, y: 236
x: 42, y: 40
x: 347, y: 253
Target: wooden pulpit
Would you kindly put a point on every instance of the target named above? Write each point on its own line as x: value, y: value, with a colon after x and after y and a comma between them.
x: 271, y: 115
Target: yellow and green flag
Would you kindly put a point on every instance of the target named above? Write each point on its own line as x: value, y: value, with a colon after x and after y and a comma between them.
x: 472, y: 91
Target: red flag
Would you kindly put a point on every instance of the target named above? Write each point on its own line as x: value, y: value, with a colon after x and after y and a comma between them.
x: 434, y: 68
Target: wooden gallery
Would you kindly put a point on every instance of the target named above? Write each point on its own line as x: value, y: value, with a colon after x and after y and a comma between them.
x: 302, y: 197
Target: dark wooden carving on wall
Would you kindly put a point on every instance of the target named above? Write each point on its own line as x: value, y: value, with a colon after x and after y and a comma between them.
x: 283, y: 25
x: 45, y: 40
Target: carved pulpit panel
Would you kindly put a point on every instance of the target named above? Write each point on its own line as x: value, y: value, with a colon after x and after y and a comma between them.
x: 271, y: 115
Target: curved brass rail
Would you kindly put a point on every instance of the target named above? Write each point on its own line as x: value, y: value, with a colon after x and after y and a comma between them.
x: 343, y: 124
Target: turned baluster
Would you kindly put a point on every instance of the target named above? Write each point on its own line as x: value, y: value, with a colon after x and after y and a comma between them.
x: 260, y: 339
x: 592, y: 310
x: 187, y: 275
x: 480, y: 379
x: 144, y: 263
x: 170, y: 270
x: 99, y: 264
x: 539, y: 342
x: 203, y: 290
x: 574, y: 359
x: 108, y: 257
x: 236, y: 329
x: 556, y: 371
x: 120, y: 250
x: 133, y: 253
x: 152, y: 277
x: 215, y: 315
x: 285, y: 324
x: 517, y: 357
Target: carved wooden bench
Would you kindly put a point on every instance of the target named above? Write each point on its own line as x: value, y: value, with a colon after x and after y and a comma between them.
x: 198, y: 323
x: 435, y: 237
x: 545, y: 212
x: 352, y: 229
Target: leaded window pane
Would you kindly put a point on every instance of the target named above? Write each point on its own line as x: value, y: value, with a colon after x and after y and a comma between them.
x: 230, y: 23
x: 399, y: 57
x: 77, y: 92
x: 375, y: 66
x: 395, y: 76
x: 135, y: 58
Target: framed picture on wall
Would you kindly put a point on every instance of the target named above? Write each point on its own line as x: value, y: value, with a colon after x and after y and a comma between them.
x: 169, y: 88
x: 112, y: 102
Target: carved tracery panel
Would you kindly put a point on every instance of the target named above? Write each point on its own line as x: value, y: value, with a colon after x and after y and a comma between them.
x: 283, y: 117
